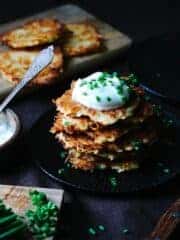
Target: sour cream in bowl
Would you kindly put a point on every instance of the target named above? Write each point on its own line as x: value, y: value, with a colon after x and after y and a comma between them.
x: 9, y: 128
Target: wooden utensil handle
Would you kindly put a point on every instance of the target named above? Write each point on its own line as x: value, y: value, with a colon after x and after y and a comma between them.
x: 167, y: 223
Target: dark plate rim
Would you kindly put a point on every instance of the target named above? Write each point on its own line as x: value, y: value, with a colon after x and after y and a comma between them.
x: 135, y: 46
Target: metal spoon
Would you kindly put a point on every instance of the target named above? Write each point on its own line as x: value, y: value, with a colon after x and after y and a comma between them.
x: 43, y: 59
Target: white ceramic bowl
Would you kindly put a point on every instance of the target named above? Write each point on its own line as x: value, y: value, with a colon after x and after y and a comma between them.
x: 15, y: 122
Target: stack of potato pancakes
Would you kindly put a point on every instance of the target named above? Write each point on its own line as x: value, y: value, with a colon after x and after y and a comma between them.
x: 111, y: 139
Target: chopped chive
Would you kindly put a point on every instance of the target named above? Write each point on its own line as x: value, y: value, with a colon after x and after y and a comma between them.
x: 166, y: 170
x: 66, y: 123
x: 160, y: 164
x: 109, y: 99
x: 120, y: 89
x: 137, y: 144
x: 61, y: 171
x: 92, y: 231
x: 113, y: 181
x: 124, y: 99
x: 125, y: 231
x: 85, y: 93
x: 63, y: 154
x: 167, y: 122
x: 147, y: 98
x: 101, y: 228
x: 42, y: 219
x: 68, y: 165
x: 83, y: 83
x: 157, y: 110
x: 133, y: 80
x: 114, y: 74
x: 98, y: 98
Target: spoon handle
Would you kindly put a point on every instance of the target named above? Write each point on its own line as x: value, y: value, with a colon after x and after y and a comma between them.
x: 43, y: 59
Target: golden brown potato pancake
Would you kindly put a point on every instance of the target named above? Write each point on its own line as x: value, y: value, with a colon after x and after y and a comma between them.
x: 87, y: 163
x: 70, y: 124
x: 108, y: 156
x: 14, y: 64
x: 106, y: 134
x: 67, y: 106
x: 83, y: 39
x: 34, y: 33
x: 82, y: 143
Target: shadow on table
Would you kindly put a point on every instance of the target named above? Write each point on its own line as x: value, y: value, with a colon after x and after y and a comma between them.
x: 71, y: 225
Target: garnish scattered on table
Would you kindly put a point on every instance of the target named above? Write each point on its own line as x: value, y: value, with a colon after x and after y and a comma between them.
x: 96, y: 230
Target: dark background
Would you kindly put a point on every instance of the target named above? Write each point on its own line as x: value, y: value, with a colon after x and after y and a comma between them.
x: 137, y: 212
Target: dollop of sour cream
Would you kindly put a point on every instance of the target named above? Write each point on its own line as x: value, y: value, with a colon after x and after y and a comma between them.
x: 101, y: 91
x: 7, y: 127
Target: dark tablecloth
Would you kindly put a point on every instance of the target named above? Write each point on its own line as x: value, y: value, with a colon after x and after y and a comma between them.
x: 136, y: 212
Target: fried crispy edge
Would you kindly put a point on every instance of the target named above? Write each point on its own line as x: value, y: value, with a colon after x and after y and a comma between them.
x: 4, y: 37
x: 74, y: 52
x: 46, y: 77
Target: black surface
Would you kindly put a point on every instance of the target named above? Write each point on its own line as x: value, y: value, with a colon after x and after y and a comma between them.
x: 138, y: 212
x: 156, y: 62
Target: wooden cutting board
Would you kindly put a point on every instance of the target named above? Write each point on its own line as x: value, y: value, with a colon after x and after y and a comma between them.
x: 115, y: 42
x: 17, y: 197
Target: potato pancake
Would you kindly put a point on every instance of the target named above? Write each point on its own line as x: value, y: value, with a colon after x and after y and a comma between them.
x: 67, y: 106
x: 71, y: 124
x: 82, y: 39
x: 34, y: 33
x: 109, y: 156
x: 14, y: 64
x: 85, y: 163
x: 84, y: 144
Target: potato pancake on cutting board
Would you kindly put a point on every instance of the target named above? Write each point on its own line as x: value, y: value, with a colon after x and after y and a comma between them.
x: 114, y: 42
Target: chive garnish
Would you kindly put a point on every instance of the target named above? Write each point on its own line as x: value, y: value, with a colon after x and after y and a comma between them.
x: 101, y: 228
x: 109, y: 99
x: 125, y: 231
x: 166, y: 170
x: 68, y: 165
x: 83, y: 83
x: 157, y: 109
x: 63, y: 154
x: 92, y: 231
x: 167, y: 122
x: 113, y: 181
x: 160, y: 164
x: 61, y: 171
x: 133, y: 80
x: 137, y: 144
x: 42, y: 219
x: 66, y: 123
x: 98, y: 98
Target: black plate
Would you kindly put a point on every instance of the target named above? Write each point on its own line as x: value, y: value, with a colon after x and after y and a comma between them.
x: 157, y: 63
x: 46, y: 152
